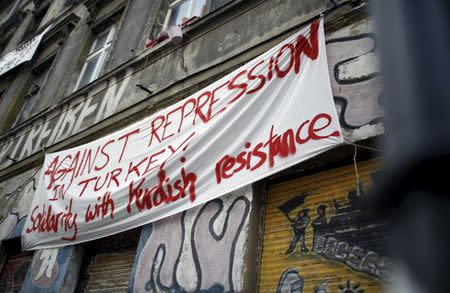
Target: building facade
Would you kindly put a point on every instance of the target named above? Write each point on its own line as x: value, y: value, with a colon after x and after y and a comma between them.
x: 102, y: 65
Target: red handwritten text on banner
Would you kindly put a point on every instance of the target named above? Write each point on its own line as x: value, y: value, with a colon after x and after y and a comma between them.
x: 270, y: 114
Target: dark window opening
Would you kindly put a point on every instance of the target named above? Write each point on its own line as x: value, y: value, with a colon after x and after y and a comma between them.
x: 108, y: 263
x: 39, y: 75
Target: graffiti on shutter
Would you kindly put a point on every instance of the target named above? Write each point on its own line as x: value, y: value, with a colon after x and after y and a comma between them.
x: 320, y: 237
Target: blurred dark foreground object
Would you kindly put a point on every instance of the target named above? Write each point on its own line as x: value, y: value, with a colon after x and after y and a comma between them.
x: 413, y: 39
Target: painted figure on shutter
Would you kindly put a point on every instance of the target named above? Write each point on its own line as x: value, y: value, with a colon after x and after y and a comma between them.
x: 342, y: 237
x: 342, y: 234
x: 320, y: 223
x: 299, y: 225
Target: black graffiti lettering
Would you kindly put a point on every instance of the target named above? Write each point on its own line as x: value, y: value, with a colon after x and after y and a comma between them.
x: 160, y: 257
x: 330, y: 247
x: 355, y: 257
x: 342, y: 250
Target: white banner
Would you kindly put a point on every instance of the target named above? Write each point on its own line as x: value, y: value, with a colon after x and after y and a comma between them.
x: 21, y: 54
x: 266, y: 116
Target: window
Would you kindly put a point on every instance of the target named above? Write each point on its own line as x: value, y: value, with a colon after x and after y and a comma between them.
x: 96, y: 57
x: 24, y: 111
x: 180, y: 11
x: 38, y: 77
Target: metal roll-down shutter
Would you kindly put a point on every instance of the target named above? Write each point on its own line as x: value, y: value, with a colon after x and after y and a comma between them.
x: 320, y: 236
x: 108, y: 263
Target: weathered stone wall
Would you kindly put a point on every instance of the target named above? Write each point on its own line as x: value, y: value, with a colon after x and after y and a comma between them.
x: 353, y: 74
x: 210, y: 247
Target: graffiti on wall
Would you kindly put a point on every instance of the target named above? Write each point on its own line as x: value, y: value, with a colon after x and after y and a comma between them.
x: 344, y: 231
x: 292, y: 282
x: 321, y: 236
x: 354, y: 76
x: 53, y: 270
x: 15, y: 199
x: 203, y: 252
x: 45, y: 268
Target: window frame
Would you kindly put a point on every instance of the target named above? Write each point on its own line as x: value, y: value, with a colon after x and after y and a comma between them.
x: 103, y: 52
x: 43, y: 70
x: 19, y: 119
x: 124, y: 241
x: 174, y: 3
